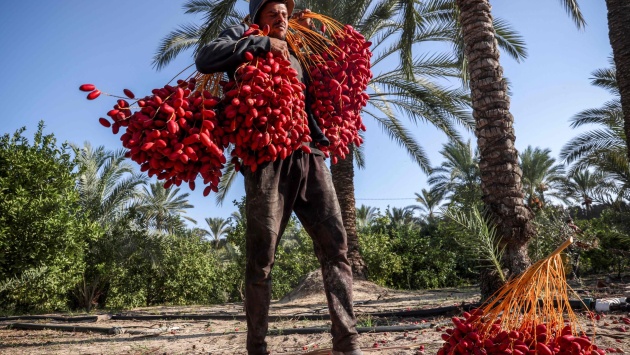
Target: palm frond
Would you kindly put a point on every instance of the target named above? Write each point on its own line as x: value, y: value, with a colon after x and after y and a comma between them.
x: 410, y: 21
x: 402, y: 136
x: 607, y: 79
x: 573, y: 9
x: 183, y: 38
x: 589, y: 142
x: 609, y: 115
x: 482, y: 230
x: 227, y: 179
x: 436, y: 65
x: 198, y: 6
x: 373, y: 21
x: 509, y: 40
x: 422, y: 100
x: 438, y: 32
x: 359, y: 153
x: 435, y: 11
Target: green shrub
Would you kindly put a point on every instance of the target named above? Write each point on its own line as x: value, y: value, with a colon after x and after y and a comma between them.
x: 612, y: 230
x: 42, y: 234
x: 409, y: 256
x: 167, y: 269
x: 295, y: 257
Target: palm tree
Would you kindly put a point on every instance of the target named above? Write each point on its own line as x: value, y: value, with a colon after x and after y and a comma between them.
x: 237, y: 217
x: 587, y: 187
x: 618, y: 170
x: 500, y: 171
x: 393, y: 27
x: 540, y: 176
x: 400, y: 216
x: 217, y: 227
x: 292, y: 235
x: 429, y: 201
x: 163, y: 208
x: 589, y: 148
x: 365, y: 215
x: 107, y: 183
x: 458, y: 177
x: 618, y: 29
x: 603, y: 149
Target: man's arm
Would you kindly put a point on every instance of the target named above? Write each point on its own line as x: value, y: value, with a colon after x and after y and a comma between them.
x: 226, y: 52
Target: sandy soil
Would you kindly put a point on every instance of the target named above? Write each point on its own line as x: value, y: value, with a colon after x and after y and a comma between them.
x: 227, y: 336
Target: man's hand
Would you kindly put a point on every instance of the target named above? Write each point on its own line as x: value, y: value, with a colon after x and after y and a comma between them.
x: 303, y: 21
x: 279, y: 47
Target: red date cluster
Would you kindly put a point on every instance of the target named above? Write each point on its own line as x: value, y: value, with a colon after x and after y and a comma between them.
x: 177, y: 135
x: 174, y: 136
x: 264, y: 116
x: 469, y: 337
x: 340, y: 78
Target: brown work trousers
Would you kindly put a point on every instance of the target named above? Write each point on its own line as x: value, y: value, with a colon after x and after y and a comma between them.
x: 300, y: 183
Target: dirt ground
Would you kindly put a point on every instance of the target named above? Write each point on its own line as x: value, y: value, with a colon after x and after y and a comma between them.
x: 227, y: 336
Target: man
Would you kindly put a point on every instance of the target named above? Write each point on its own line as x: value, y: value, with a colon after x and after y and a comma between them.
x: 301, y: 183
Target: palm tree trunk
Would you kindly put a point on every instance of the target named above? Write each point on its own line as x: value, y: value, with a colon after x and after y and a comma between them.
x: 500, y: 172
x: 343, y: 179
x: 618, y: 32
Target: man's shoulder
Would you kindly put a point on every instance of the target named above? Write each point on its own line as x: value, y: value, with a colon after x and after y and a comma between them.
x: 238, y: 29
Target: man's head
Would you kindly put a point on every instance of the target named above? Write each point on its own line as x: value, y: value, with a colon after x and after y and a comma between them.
x: 274, y: 13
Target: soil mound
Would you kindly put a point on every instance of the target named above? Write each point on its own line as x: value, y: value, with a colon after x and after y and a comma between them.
x: 311, y: 290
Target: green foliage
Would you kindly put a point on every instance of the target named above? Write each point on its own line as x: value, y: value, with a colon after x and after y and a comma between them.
x: 552, y: 230
x: 481, y: 238
x: 295, y: 257
x: 601, y: 245
x: 458, y: 177
x: 411, y: 256
x: 166, y: 269
x: 613, y: 232
x: 377, y: 251
x: 42, y: 234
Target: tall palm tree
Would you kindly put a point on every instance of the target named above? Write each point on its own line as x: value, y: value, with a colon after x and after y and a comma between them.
x: 541, y: 176
x: 163, y: 208
x: 429, y: 201
x: 217, y: 227
x: 618, y: 29
x: 458, y: 177
x: 107, y: 183
x: 365, y: 215
x: 394, y: 27
x: 500, y: 171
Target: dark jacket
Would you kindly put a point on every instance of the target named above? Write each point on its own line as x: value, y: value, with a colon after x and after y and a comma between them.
x: 226, y: 52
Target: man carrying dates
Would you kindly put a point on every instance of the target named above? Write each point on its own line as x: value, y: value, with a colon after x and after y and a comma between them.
x: 301, y: 183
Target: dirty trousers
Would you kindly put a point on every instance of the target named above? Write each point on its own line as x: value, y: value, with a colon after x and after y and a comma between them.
x: 301, y: 183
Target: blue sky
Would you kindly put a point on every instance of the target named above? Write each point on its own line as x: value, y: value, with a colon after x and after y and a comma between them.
x: 49, y: 48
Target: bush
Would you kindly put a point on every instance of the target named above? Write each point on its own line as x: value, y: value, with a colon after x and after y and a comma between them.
x: 409, y: 256
x: 42, y: 234
x: 612, y: 230
x: 295, y: 257
x: 376, y: 248
x: 167, y: 269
